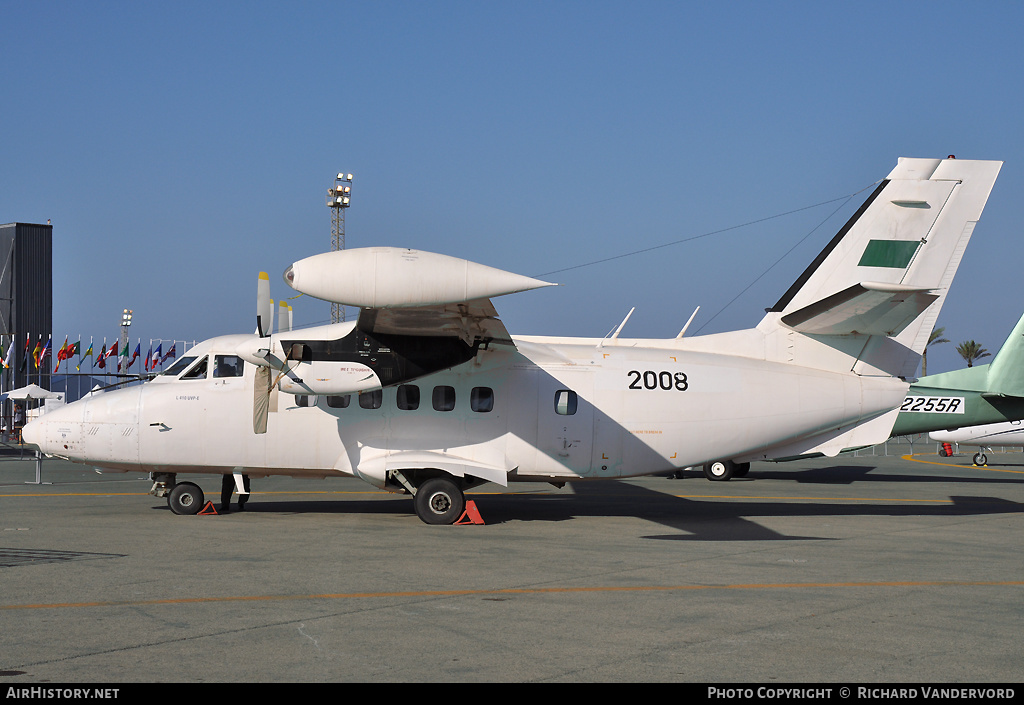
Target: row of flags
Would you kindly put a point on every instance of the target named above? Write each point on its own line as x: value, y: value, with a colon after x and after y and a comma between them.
x: 40, y: 354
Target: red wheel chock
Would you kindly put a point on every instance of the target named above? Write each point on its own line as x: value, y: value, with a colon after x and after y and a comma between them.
x: 471, y: 515
x: 208, y: 510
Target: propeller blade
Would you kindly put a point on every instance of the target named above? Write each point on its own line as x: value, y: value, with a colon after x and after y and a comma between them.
x: 261, y: 400
x: 284, y: 322
x: 264, y: 307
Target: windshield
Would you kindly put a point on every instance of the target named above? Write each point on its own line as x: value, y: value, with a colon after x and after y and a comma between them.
x: 175, y: 369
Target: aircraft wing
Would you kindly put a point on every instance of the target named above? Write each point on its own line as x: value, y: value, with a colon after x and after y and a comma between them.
x: 411, y: 292
x: 469, y: 321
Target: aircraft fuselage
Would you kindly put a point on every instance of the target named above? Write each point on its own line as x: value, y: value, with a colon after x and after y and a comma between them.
x: 549, y: 409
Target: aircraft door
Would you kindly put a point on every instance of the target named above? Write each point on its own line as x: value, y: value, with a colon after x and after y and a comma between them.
x: 565, y: 423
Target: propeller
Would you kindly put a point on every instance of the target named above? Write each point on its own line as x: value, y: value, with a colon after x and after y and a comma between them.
x: 264, y: 307
x: 262, y: 384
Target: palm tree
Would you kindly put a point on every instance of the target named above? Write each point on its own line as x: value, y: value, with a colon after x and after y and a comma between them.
x: 971, y: 351
x: 934, y: 339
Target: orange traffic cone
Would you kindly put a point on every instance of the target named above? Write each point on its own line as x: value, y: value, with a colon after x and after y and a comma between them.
x: 471, y: 515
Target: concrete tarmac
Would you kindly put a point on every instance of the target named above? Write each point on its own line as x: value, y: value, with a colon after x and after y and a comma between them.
x: 880, y: 570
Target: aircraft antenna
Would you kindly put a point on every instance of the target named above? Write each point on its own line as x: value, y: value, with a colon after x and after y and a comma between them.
x: 338, y: 200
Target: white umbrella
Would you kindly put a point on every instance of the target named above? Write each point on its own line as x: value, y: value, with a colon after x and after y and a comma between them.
x: 32, y: 391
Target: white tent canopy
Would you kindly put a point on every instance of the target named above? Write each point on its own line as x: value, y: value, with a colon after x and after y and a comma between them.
x: 32, y: 391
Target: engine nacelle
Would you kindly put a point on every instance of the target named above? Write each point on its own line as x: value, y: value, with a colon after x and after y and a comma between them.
x: 328, y: 377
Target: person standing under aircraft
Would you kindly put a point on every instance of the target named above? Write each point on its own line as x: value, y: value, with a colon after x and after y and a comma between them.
x: 227, y: 486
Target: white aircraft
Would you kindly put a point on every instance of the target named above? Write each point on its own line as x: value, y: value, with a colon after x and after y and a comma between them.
x: 985, y: 436
x: 428, y: 394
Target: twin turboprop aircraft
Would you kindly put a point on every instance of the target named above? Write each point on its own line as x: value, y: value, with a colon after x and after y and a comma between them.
x: 428, y: 394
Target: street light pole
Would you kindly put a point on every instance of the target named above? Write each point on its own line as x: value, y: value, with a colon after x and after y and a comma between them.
x: 338, y: 201
x: 126, y: 320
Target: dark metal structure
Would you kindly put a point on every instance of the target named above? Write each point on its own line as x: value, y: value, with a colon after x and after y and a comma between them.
x: 26, y: 295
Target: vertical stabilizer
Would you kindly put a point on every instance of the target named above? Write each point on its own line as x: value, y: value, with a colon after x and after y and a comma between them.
x: 1006, y: 371
x: 881, y: 282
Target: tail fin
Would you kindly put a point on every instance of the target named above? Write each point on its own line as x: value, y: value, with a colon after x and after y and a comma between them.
x: 1004, y: 376
x: 1006, y: 371
x: 880, y: 283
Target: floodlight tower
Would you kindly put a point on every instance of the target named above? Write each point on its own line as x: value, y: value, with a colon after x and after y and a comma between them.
x: 338, y: 201
x: 126, y: 321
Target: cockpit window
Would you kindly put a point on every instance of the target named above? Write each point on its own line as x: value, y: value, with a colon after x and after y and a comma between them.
x: 227, y: 366
x: 198, y: 371
x: 175, y: 369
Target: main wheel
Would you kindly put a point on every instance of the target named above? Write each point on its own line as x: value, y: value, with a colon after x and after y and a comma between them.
x: 741, y: 470
x: 980, y: 459
x: 439, y: 501
x: 185, y: 498
x: 719, y: 470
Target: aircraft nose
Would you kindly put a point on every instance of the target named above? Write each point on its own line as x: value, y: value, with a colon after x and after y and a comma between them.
x: 33, y: 433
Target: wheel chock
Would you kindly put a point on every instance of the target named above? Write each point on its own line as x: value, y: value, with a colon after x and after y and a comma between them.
x: 471, y: 515
x: 208, y: 510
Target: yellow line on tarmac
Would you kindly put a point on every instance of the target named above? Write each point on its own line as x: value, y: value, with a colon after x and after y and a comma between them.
x: 143, y: 494
x: 523, y: 591
x: 952, y: 465
x: 807, y: 498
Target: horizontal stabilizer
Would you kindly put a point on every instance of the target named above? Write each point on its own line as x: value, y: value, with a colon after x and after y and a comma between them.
x: 867, y: 308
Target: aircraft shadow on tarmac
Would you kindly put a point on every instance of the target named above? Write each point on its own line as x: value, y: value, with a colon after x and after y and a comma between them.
x: 849, y: 474
x: 694, y: 519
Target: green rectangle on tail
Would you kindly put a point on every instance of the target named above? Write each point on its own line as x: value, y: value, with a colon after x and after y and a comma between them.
x: 888, y: 253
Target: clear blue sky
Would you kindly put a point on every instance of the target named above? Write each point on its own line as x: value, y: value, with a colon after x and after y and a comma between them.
x: 180, y: 148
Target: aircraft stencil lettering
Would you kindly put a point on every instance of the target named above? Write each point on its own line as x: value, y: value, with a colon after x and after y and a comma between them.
x: 428, y: 394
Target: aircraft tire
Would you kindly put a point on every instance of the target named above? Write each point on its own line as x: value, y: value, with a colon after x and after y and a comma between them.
x: 741, y: 469
x: 719, y: 470
x: 980, y: 459
x: 439, y: 501
x: 185, y: 498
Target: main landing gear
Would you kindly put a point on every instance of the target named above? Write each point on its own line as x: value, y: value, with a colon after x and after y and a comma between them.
x: 182, y: 497
x: 722, y: 470
x: 437, y: 498
x: 980, y: 458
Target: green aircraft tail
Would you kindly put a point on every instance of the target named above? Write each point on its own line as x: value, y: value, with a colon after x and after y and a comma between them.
x: 1004, y: 376
x: 1006, y: 373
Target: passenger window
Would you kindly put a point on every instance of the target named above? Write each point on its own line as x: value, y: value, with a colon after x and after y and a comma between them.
x: 443, y: 398
x: 408, y: 397
x: 227, y: 366
x: 340, y: 402
x: 197, y: 372
x: 371, y: 400
x: 305, y: 400
x: 481, y: 399
x: 565, y: 402
x: 175, y: 369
